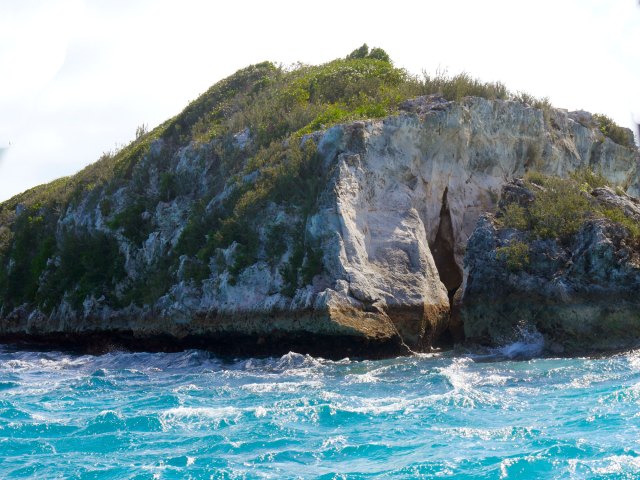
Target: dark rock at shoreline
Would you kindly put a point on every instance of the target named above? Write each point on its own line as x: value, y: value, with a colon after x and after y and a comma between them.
x: 580, y: 292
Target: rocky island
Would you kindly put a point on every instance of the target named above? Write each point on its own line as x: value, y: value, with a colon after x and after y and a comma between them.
x: 346, y: 209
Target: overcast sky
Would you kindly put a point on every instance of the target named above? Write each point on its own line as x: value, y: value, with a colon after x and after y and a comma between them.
x: 77, y: 77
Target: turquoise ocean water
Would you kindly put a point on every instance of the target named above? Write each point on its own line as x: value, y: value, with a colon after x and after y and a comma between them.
x: 193, y: 415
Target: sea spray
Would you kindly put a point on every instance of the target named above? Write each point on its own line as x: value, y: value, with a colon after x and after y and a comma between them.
x: 193, y: 415
x: 529, y: 343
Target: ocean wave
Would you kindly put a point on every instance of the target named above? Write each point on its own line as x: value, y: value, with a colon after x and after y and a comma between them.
x: 283, y: 386
x: 529, y: 345
x: 368, y: 377
x: 6, y: 385
x: 289, y: 364
x: 105, y: 422
x: 189, y: 413
x: 497, y: 433
x: 200, y: 417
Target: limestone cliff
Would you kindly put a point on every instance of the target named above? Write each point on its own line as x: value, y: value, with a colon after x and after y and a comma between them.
x: 207, y: 243
x: 577, y: 288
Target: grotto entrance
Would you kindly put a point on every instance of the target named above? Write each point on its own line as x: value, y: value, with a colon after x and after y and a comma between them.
x: 450, y: 273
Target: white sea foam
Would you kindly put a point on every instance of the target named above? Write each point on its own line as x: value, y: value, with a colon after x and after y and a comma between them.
x: 369, y: 377
x: 627, y: 394
x: 466, y: 386
x: 284, y: 387
x: 17, y: 365
x: 201, y: 412
x: 494, y: 380
x: 300, y: 417
x: 186, y: 417
x: 626, y: 465
x: 334, y: 443
x: 374, y: 406
x: 63, y: 363
x: 187, y: 388
x: 500, y: 433
x: 586, y: 381
x: 530, y: 344
x: 509, y: 462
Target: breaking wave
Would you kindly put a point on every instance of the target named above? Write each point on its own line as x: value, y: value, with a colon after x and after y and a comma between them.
x: 530, y: 344
x: 191, y: 414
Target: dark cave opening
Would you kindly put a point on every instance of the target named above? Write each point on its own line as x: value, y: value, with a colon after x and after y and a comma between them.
x: 443, y: 250
x: 449, y: 272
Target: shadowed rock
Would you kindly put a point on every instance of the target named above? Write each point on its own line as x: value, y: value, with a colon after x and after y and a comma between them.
x: 580, y: 292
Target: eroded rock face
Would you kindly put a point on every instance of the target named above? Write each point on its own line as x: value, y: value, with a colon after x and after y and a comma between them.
x: 435, y: 171
x: 581, y: 294
x: 403, y: 196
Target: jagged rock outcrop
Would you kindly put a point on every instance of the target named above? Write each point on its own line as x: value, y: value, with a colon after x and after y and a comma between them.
x: 398, y: 199
x: 580, y: 292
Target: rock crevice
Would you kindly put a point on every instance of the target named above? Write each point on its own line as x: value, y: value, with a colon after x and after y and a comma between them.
x: 443, y: 250
x: 386, y: 238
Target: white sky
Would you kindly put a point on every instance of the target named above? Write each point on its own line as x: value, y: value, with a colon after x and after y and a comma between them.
x: 77, y: 77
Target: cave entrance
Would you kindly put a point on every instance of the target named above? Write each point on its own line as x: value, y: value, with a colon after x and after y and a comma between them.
x: 449, y: 272
x: 443, y: 250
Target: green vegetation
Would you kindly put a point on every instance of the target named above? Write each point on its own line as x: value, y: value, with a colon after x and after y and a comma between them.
x: 42, y: 262
x: 112, y: 168
x: 535, y: 177
x: 375, y: 53
x: 275, y: 242
x: 539, y: 103
x: 168, y: 186
x: 619, y: 135
x: 87, y: 263
x: 90, y: 263
x: 155, y: 282
x: 463, y: 85
x: 515, y: 255
x: 25, y: 259
x: 304, y: 263
x: 561, y: 206
x: 560, y: 209
x: 587, y: 179
x: 275, y: 102
x: 515, y: 216
x: 207, y: 117
x: 134, y: 223
x: 617, y: 215
x: 311, y: 97
x: 286, y: 175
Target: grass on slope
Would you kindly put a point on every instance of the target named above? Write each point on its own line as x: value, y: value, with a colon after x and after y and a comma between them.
x: 273, y: 104
x: 561, y: 206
